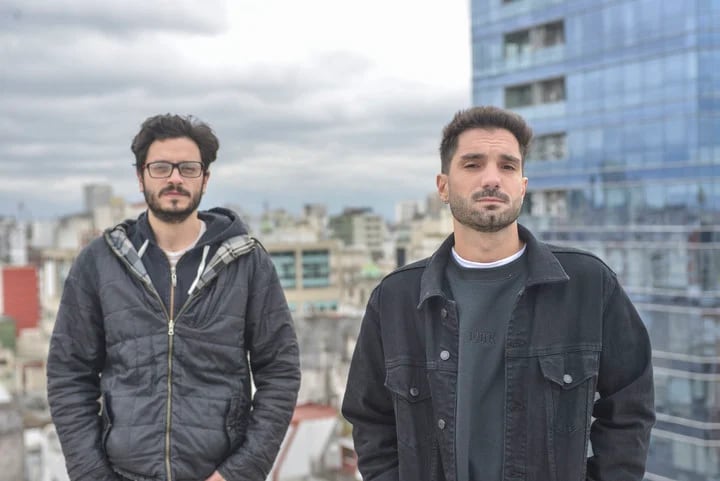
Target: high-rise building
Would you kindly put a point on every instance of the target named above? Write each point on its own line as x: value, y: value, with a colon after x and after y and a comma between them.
x: 324, y: 276
x: 359, y: 226
x: 624, y: 99
x: 97, y: 195
x: 407, y: 210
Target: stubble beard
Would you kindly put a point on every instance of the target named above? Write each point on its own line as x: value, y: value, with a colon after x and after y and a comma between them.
x: 484, y: 219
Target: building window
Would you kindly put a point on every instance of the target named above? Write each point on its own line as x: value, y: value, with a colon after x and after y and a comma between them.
x: 518, y: 96
x: 550, y: 34
x: 517, y: 44
x: 536, y: 93
x: 548, y: 147
x: 316, y: 268
x: 549, y: 203
x: 552, y: 90
x: 285, y: 267
x: 522, y: 42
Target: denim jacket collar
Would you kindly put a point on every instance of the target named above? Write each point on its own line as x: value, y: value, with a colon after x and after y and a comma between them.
x: 543, y: 266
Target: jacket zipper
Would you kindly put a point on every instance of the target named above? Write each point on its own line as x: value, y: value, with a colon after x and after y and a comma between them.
x: 171, y: 337
x: 171, y: 333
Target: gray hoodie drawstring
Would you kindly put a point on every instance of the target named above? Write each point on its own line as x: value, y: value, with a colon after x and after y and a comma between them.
x: 201, y: 268
x: 143, y: 248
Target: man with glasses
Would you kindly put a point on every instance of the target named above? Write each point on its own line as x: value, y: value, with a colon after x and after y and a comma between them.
x: 162, y: 323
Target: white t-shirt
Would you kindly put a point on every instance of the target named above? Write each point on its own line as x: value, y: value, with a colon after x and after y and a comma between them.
x: 486, y: 265
x: 174, y: 256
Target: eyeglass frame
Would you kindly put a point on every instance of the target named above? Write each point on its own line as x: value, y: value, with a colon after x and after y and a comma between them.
x: 173, y: 166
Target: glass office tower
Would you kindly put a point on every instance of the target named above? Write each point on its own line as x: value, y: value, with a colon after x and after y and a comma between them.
x: 624, y: 99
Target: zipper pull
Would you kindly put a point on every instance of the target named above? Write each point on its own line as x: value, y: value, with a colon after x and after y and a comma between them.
x: 173, y: 277
x: 171, y: 328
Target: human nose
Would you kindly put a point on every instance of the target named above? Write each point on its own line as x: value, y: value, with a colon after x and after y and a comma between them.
x: 491, y: 179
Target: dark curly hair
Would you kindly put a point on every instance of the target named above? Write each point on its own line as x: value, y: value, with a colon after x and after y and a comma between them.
x: 169, y: 126
x: 484, y: 117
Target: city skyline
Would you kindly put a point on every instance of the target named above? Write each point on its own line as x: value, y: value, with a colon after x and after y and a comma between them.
x: 343, y: 107
x: 396, y: 211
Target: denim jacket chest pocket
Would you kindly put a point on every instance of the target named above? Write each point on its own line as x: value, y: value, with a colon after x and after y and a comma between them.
x: 570, y: 384
x: 570, y: 381
x: 412, y: 402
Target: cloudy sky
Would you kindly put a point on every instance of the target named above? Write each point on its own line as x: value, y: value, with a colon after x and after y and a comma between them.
x: 315, y: 101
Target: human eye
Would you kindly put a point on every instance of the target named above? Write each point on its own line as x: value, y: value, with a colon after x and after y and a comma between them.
x: 160, y: 168
x: 190, y: 169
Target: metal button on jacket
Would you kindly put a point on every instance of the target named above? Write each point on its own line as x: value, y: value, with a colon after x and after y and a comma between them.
x: 414, y: 391
x: 567, y: 379
x: 443, y: 313
x: 441, y: 423
x: 444, y: 355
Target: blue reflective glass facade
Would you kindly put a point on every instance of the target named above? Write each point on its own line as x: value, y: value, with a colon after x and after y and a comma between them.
x: 624, y: 99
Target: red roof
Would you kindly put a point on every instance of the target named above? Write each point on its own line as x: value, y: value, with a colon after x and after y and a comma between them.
x: 21, y: 296
x: 311, y: 411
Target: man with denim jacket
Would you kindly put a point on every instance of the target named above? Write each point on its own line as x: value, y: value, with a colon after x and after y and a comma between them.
x: 165, y: 320
x: 499, y: 357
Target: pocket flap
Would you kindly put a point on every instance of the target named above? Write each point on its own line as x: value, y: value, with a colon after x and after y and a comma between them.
x: 568, y: 370
x: 408, y: 382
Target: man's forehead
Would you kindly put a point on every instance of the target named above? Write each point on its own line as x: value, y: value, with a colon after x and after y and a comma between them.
x: 482, y: 140
x: 174, y: 144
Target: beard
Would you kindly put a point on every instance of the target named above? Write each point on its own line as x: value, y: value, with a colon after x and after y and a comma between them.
x: 491, y: 219
x: 172, y: 215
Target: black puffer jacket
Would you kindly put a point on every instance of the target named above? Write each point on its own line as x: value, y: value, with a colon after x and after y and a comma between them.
x: 171, y: 358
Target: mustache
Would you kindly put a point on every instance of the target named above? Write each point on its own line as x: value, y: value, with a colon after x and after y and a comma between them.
x: 491, y: 193
x: 174, y: 188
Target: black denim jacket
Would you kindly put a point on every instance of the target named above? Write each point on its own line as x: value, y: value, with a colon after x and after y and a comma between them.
x: 576, y: 350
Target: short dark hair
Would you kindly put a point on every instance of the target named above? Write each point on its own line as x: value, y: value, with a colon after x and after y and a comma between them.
x: 170, y: 126
x: 483, y: 117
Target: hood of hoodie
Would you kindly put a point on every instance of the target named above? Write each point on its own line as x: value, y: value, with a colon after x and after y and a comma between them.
x: 221, y: 225
x: 225, y: 239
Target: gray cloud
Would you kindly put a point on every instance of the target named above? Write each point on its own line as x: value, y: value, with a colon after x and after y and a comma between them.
x: 78, y: 78
x: 113, y: 18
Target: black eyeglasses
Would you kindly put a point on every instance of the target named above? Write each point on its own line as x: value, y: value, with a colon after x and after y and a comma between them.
x: 162, y: 169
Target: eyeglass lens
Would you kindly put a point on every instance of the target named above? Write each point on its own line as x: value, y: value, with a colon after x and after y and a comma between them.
x: 164, y: 169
